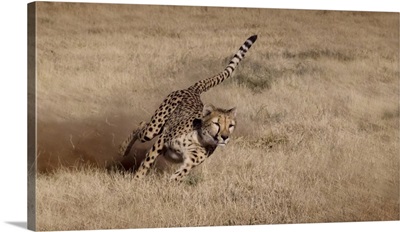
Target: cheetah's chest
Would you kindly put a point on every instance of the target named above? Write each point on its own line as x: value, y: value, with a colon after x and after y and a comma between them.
x: 184, y: 144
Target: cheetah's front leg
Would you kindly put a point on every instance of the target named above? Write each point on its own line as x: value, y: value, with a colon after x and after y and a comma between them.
x: 193, y: 158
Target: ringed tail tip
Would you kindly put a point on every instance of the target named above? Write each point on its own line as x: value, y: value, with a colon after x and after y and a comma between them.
x: 253, y: 38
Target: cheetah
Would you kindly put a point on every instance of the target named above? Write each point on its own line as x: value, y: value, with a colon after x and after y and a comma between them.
x: 188, y: 132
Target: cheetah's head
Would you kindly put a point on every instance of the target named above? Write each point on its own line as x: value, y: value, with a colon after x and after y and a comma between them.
x: 217, y: 124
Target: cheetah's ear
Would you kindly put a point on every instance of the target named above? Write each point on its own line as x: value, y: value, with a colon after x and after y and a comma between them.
x: 207, y: 109
x: 197, y: 124
x: 232, y: 112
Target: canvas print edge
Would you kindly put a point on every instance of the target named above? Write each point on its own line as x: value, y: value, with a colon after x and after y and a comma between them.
x: 31, y: 172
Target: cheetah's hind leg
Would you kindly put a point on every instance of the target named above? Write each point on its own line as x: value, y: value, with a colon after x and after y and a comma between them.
x: 127, y: 144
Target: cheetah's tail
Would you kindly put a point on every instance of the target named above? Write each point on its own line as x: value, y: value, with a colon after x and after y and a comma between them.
x: 208, y: 83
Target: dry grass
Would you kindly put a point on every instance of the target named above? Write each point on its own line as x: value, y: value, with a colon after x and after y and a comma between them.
x: 318, y: 122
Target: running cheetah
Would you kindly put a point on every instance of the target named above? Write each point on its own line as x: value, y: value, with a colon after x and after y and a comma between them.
x: 188, y: 131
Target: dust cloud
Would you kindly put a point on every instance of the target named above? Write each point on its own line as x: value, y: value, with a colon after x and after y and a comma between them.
x: 91, y: 142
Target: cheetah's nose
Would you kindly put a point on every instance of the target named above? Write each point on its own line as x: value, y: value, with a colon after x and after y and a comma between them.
x: 224, y: 137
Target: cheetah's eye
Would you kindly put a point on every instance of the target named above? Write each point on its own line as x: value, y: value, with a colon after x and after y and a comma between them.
x: 231, y: 125
x: 216, y: 123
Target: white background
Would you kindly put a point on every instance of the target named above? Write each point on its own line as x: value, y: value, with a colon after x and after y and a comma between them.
x: 13, y: 200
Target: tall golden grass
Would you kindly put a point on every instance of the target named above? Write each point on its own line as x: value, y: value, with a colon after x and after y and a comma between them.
x: 318, y: 115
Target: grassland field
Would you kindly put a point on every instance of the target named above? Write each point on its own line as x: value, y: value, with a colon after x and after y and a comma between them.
x: 317, y: 136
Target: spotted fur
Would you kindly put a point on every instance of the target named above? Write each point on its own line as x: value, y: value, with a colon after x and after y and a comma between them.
x: 186, y: 128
